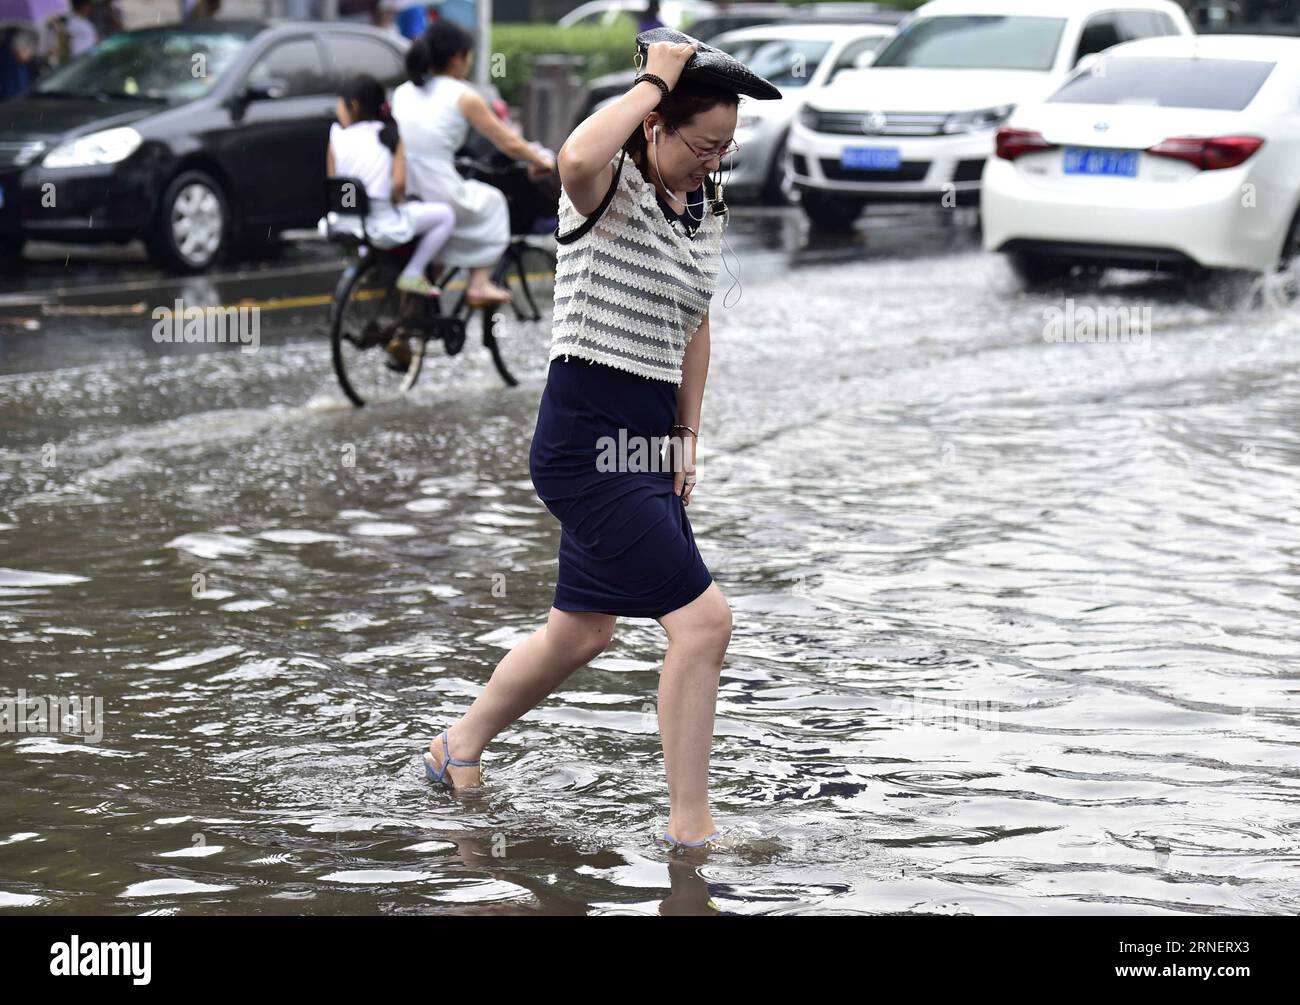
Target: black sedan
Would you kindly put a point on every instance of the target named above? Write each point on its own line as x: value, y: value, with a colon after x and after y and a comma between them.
x: 196, y: 138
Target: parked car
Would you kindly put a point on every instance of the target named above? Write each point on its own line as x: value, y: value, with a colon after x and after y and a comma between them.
x: 674, y: 13
x: 793, y: 57
x: 194, y: 137
x: 1168, y: 153
x: 748, y: 15
x: 1246, y: 16
x: 918, y: 124
x: 744, y: 15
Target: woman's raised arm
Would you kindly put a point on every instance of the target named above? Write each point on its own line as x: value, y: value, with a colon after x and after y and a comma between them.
x: 585, y: 171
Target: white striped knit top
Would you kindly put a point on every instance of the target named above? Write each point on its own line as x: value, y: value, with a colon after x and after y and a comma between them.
x: 633, y: 290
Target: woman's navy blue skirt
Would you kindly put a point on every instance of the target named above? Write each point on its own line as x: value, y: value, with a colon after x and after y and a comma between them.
x: 626, y: 546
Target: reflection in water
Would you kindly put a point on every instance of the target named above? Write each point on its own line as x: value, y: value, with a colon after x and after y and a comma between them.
x: 1014, y: 623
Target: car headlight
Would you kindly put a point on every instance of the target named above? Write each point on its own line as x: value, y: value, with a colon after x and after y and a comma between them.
x: 983, y: 118
x: 105, y: 147
x: 807, y: 116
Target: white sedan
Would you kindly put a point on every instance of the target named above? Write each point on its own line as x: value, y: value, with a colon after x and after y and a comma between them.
x: 917, y: 124
x: 1168, y: 152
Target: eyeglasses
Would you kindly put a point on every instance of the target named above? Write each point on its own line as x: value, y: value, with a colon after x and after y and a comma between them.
x: 730, y: 147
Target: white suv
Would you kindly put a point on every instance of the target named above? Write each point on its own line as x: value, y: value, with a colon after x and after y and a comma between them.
x: 918, y: 124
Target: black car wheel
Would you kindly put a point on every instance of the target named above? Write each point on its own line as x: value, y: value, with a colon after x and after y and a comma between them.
x: 1290, y: 260
x: 829, y: 212
x: 193, y: 224
x: 1037, y: 272
x: 779, y: 187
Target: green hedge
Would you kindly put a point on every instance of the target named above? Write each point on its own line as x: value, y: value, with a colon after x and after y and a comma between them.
x: 604, y: 50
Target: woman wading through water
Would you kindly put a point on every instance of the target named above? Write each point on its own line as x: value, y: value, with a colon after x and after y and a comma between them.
x: 639, y: 237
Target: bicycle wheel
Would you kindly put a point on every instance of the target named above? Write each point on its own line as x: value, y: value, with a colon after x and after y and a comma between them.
x: 518, y: 334
x: 365, y: 315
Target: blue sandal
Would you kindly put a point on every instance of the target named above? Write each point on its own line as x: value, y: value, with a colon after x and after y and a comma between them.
x: 447, y: 761
x: 689, y: 844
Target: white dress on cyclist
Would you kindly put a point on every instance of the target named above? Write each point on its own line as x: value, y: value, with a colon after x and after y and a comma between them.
x: 360, y: 153
x: 433, y: 129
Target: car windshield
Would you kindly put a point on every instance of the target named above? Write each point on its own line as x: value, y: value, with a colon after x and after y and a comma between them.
x: 784, y: 62
x: 976, y: 42
x: 1222, y: 84
x: 168, y: 65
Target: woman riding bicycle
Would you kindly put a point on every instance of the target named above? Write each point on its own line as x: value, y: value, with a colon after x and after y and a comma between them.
x: 434, y: 111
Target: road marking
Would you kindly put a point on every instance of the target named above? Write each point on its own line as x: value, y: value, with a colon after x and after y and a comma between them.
x: 42, y: 296
x: 273, y: 304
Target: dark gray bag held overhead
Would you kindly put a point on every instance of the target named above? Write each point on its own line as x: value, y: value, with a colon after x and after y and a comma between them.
x: 709, y: 65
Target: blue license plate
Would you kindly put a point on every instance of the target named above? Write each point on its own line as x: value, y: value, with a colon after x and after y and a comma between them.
x: 871, y: 158
x: 1116, y: 163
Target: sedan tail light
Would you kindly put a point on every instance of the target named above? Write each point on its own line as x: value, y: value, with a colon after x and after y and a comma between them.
x: 1209, y: 153
x: 1014, y: 142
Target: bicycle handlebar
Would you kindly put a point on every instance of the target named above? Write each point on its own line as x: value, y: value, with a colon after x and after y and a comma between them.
x: 485, y: 165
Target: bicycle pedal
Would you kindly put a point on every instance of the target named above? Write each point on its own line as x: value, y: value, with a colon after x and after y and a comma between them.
x: 453, y: 338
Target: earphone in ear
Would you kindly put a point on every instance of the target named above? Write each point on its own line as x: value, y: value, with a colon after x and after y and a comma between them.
x: 654, y: 133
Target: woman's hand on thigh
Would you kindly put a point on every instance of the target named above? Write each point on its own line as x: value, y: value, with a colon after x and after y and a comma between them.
x: 681, y: 448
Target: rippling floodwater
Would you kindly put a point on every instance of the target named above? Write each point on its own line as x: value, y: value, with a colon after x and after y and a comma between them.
x: 1015, y: 624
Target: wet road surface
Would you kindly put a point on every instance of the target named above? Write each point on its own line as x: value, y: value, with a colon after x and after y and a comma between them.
x: 1014, y: 618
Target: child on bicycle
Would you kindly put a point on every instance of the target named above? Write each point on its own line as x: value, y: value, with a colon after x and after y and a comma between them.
x: 364, y: 144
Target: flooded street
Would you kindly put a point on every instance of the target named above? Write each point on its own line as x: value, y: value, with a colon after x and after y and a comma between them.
x: 1015, y: 616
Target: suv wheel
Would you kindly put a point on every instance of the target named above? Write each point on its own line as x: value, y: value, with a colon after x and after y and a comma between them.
x: 827, y: 211
x: 779, y: 187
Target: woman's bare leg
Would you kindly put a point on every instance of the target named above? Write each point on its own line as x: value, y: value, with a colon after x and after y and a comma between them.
x: 698, y: 635
x: 528, y: 673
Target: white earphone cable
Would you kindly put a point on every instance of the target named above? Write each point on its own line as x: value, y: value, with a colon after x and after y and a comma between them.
x: 686, y: 209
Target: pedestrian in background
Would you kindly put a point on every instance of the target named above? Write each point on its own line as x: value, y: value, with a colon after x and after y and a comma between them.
x: 298, y: 10
x: 357, y: 10
x: 81, y: 29
x: 412, y: 20
x: 107, y: 19
x: 385, y: 17
x: 203, y: 10
x: 650, y: 17
x: 69, y: 35
x: 18, y: 49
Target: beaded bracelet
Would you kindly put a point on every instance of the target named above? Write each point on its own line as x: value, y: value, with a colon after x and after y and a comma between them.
x: 658, y: 81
